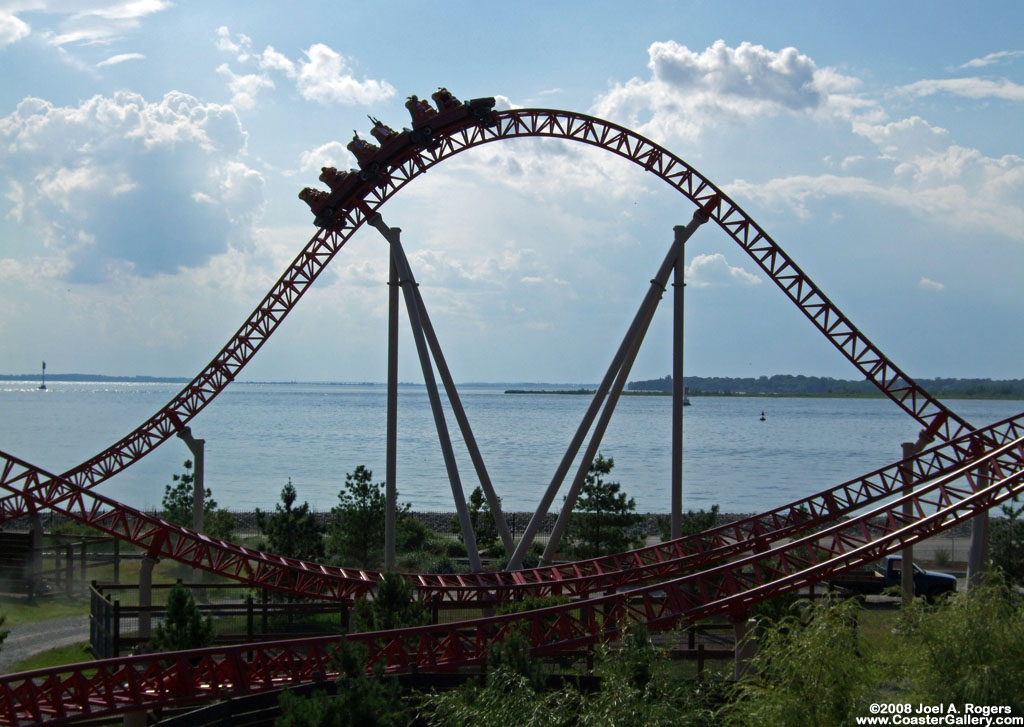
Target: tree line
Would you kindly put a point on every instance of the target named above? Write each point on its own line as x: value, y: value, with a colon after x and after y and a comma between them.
x: 799, y: 385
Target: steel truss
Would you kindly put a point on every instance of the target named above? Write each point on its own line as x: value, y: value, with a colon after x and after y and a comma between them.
x: 115, y: 686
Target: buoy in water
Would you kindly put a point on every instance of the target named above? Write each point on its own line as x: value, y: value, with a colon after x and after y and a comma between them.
x: 762, y: 416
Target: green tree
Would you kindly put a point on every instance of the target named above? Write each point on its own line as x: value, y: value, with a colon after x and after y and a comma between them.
x: 177, y: 506
x: 360, y: 699
x: 393, y: 606
x: 291, y: 531
x: 184, y: 626
x: 603, y: 514
x: 691, y: 523
x: 808, y: 671
x: 356, y: 531
x: 969, y: 649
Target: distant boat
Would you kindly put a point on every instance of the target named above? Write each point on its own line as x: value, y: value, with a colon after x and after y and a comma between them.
x: 42, y: 385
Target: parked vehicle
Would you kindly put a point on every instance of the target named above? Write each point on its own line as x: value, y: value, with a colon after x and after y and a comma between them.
x: 927, y: 583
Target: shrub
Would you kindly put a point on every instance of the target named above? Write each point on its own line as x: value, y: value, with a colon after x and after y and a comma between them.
x: 184, y: 626
x: 291, y: 531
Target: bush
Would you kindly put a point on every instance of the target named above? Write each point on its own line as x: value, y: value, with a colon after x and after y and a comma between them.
x: 184, y: 626
x: 691, y: 523
x: 602, y: 516
x: 178, y: 506
x: 393, y: 606
x: 291, y: 531
x: 356, y: 532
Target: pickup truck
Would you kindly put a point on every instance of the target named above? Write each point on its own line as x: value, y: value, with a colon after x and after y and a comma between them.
x: 927, y: 583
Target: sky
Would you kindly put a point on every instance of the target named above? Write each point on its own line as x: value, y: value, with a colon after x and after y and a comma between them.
x: 151, y: 153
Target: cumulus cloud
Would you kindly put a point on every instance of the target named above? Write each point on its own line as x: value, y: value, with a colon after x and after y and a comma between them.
x: 120, y: 183
x: 689, y: 90
x: 907, y: 137
x: 977, y: 88
x: 244, y: 88
x: 12, y: 28
x: 324, y: 75
x: 958, y: 187
x: 708, y: 270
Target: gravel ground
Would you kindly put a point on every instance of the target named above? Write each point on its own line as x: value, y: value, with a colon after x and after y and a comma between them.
x: 29, y: 639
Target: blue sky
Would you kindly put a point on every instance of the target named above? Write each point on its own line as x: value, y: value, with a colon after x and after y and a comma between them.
x: 151, y: 153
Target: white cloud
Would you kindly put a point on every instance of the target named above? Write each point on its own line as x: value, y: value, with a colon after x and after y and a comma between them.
x: 245, y: 88
x: 992, y: 58
x: 689, y: 91
x: 332, y: 154
x: 903, y: 138
x: 706, y: 270
x: 131, y: 181
x: 977, y: 88
x: 121, y: 58
x: 12, y: 28
x: 93, y: 23
x: 928, y: 284
x: 326, y: 78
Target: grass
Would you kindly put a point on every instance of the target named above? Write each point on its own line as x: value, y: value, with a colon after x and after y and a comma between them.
x: 19, y: 611
x: 74, y: 654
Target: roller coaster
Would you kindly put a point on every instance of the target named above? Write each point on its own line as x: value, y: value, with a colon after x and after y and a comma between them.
x: 722, y: 571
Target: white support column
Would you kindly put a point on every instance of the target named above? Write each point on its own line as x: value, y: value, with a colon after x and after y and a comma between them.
x: 393, y: 236
x: 977, y: 558
x: 907, y: 554
x: 391, y: 463
x: 198, y: 449
x: 146, y: 597
x: 678, y: 397
x: 745, y: 635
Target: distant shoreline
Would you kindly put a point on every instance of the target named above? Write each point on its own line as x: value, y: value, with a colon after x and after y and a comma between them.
x: 962, y: 389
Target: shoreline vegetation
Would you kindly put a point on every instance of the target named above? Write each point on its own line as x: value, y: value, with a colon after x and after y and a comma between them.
x: 782, y: 385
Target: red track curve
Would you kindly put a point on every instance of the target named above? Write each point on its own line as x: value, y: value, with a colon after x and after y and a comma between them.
x: 99, y: 689
x: 731, y: 587
x: 401, y: 162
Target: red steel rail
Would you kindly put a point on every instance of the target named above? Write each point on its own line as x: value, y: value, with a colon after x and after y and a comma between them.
x: 397, y: 168
x: 67, y: 694
x: 161, y: 539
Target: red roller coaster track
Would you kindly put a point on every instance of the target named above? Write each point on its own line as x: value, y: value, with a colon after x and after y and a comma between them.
x: 408, y: 161
x: 115, y: 686
x: 686, y: 579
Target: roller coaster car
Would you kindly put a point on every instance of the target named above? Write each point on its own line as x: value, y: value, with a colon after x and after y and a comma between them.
x: 332, y: 177
x: 362, y: 149
x: 445, y: 100
x: 421, y: 111
x: 315, y: 198
x: 483, y: 110
x: 382, y: 132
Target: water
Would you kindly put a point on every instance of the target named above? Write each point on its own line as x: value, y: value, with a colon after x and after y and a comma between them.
x: 259, y: 435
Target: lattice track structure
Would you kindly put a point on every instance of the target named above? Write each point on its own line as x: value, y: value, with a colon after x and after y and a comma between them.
x: 163, y: 540
x: 399, y: 163
x: 115, y: 686
x: 121, y: 685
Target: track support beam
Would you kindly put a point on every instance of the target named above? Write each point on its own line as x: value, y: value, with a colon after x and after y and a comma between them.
x: 198, y: 449
x: 408, y: 284
x: 618, y: 372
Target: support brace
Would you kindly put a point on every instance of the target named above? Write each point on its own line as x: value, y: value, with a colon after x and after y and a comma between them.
x: 407, y: 283
x: 198, y: 449
x: 619, y: 364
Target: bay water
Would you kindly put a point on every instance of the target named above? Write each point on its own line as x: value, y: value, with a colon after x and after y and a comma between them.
x: 258, y: 436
